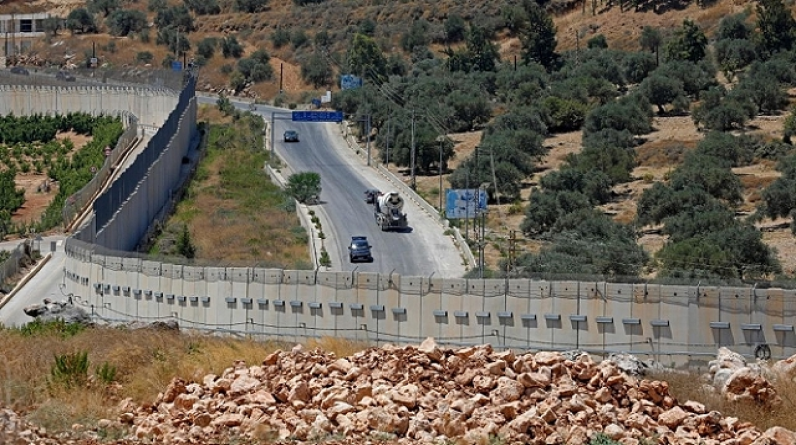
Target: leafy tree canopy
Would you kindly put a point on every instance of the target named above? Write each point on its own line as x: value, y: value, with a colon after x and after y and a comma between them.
x: 538, y: 36
x: 688, y: 43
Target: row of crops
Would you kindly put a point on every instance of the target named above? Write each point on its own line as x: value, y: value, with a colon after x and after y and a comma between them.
x: 29, y: 144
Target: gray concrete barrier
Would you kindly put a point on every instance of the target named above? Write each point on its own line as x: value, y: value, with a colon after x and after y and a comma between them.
x: 672, y: 324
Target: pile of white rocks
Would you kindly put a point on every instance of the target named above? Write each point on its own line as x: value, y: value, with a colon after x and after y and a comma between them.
x: 14, y: 430
x: 429, y: 394
x: 738, y: 380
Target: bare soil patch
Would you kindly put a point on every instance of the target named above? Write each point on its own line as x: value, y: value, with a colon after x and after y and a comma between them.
x: 37, y: 197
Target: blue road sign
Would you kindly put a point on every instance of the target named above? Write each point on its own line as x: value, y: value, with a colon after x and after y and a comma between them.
x: 316, y: 102
x: 350, y: 82
x: 176, y: 66
x: 317, y: 116
x: 464, y: 203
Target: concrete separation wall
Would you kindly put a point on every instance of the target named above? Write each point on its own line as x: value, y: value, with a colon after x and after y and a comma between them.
x: 150, y: 106
x: 672, y: 324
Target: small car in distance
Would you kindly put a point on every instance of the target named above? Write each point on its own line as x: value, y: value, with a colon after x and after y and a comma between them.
x: 66, y: 77
x: 291, y: 136
x: 371, y: 195
x: 359, y: 249
x: 20, y: 70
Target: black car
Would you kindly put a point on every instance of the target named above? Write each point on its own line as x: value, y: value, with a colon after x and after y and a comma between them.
x: 359, y: 249
x: 371, y: 195
x: 291, y: 136
x: 66, y: 77
x: 20, y: 70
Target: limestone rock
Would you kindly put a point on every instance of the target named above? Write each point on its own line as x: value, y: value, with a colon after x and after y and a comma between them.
x: 428, y: 394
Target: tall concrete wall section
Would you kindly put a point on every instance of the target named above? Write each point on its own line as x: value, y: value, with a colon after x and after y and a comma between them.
x: 152, y: 107
x: 142, y: 191
x: 672, y: 324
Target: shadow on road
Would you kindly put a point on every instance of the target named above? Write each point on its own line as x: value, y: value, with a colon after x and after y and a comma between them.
x: 406, y: 229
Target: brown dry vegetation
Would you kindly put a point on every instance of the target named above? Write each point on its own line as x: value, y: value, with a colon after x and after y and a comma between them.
x: 232, y: 209
x: 692, y: 385
x: 146, y: 360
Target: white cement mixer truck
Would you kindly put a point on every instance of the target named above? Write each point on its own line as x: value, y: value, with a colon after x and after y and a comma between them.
x: 387, y: 208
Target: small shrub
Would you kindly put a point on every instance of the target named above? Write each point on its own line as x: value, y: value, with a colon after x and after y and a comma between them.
x: 324, y: 259
x: 648, y: 177
x: 144, y: 57
x: 321, y: 235
x: 57, y: 327
x: 602, y: 439
x: 70, y: 369
x: 106, y: 373
x: 515, y: 208
x: 299, y: 38
x: 280, y: 38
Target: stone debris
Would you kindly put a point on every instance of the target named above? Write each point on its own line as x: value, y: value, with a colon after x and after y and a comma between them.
x: 427, y: 394
x: 739, y: 380
x: 65, y: 311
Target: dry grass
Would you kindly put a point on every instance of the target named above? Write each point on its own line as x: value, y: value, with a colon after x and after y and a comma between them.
x: 234, y: 213
x: 340, y: 347
x: 690, y: 385
x: 146, y: 361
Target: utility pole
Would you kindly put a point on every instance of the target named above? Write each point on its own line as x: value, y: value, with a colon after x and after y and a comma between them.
x: 441, y: 140
x: 412, y: 154
x: 272, y: 158
x: 467, y: 205
x: 388, y: 144
x: 367, y: 137
x: 512, y: 240
x: 482, y: 244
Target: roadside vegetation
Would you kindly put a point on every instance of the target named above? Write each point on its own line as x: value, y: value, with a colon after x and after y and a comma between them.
x: 231, y: 212
x: 60, y: 374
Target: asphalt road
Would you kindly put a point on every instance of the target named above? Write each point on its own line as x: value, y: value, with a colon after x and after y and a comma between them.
x: 421, y: 250
x: 46, y: 283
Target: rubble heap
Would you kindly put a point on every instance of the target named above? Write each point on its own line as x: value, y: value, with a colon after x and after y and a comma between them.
x: 738, y: 380
x: 429, y: 394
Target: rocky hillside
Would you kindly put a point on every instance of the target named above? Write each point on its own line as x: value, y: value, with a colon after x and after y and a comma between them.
x: 422, y: 394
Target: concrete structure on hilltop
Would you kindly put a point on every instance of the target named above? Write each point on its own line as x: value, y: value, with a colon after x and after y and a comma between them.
x: 20, y: 30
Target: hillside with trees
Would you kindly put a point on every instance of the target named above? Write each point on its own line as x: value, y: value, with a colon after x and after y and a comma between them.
x: 518, y: 75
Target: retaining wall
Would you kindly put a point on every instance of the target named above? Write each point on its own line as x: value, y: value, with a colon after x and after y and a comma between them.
x: 672, y: 324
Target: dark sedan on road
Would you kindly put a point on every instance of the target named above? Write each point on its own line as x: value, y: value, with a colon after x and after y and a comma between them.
x: 291, y: 136
x: 359, y: 250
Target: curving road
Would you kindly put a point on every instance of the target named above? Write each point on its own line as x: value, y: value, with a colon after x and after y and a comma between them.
x: 422, y: 251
